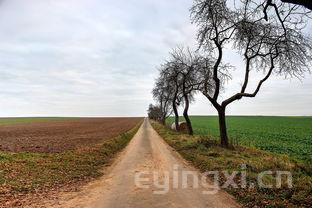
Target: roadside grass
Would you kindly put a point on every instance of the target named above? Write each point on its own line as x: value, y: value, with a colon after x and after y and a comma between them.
x: 23, y: 120
x: 291, y: 136
x: 23, y: 173
x: 206, y: 154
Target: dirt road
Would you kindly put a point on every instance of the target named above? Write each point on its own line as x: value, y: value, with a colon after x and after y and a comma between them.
x: 146, y: 155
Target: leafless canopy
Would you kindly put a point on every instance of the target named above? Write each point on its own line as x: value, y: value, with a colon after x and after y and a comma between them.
x: 305, y: 3
x: 270, y: 39
x: 179, y: 75
x: 162, y: 94
x: 265, y: 45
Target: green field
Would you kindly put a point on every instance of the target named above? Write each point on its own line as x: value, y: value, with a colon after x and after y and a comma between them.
x: 285, y: 135
x: 206, y: 154
x: 20, y: 120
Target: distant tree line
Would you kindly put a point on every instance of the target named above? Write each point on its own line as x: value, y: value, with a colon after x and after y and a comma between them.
x: 269, y: 37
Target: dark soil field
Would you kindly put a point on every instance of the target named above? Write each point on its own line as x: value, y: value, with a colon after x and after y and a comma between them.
x: 42, y: 156
x: 61, y: 135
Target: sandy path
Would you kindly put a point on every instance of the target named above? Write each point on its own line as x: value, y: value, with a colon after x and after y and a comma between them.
x: 146, y: 152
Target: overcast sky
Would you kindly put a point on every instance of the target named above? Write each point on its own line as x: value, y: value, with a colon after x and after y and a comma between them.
x: 100, y: 58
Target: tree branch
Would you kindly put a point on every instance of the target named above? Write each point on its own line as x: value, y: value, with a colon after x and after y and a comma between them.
x: 240, y: 95
x: 305, y: 3
x: 215, y: 71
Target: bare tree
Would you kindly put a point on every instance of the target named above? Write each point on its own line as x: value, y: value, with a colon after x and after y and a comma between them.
x: 187, y: 63
x: 154, y: 112
x: 264, y: 45
x: 180, y: 78
x: 162, y: 93
x: 169, y: 73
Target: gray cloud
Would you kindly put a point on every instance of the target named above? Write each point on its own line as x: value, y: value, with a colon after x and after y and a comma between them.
x: 100, y: 58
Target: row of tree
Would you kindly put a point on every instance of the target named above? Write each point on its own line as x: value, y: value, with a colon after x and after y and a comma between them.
x: 268, y: 35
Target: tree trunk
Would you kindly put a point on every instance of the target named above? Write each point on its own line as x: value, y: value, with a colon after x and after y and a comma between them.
x: 185, y: 114
x: 222, y: 127
x: 176, y: 115
x: 163, y: 121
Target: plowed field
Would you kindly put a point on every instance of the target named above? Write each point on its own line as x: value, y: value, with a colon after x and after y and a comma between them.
x: 62, y: 135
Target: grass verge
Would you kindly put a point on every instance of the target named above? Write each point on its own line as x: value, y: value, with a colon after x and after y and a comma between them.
x: 206, y: 154
x: 24, y: 173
